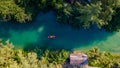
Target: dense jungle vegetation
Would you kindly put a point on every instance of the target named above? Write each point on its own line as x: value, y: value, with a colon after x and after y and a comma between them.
x: 18, y: 58
x: 77, y: 13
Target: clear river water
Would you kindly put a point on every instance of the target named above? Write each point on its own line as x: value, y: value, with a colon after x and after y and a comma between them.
x: 35, y: 34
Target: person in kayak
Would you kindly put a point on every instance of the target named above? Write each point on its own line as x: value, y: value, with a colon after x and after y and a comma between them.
x: 51, y: 36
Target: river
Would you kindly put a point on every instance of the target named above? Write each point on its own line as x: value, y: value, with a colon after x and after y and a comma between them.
x: 35, y: 34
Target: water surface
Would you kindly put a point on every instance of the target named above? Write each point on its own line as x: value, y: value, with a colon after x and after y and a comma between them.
x: 29, y: 35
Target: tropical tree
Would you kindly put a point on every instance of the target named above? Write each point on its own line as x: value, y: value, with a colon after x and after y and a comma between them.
x: 9, y: 10
x: 103, y: 59
x: 99, y: 12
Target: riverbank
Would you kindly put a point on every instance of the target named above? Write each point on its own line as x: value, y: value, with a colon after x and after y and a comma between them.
x: 38, y: 58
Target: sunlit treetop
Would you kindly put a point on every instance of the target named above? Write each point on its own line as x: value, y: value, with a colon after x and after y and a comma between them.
x: 9, y: 10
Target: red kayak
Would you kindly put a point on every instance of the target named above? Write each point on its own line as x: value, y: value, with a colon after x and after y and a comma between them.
x: 51, y: 36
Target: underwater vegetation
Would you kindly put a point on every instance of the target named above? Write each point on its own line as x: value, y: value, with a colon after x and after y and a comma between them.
x: 18, y: 58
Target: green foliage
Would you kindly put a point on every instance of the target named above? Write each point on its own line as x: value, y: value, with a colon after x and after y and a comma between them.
x: 102, y: 59
x: 85, y: 15
x: 9, y: 10
x: 10, y: 58
x: 114, y: 24
x: 31, y: 6
x: 55, y: 57
x: 17, y: 58
x: 50, y: 4
x: 103, y: 13
x: 99, y: 12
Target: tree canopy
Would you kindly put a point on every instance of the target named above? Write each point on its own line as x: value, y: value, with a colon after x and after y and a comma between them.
x: 10, y: 10
x: 100, y: 12
x: 10, y: 57
x: 77, y: 13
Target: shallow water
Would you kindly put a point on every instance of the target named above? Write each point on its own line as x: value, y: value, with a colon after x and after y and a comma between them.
x: 30, y: 35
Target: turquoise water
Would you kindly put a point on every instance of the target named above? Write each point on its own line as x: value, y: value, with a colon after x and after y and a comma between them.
x: 35, y: 34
